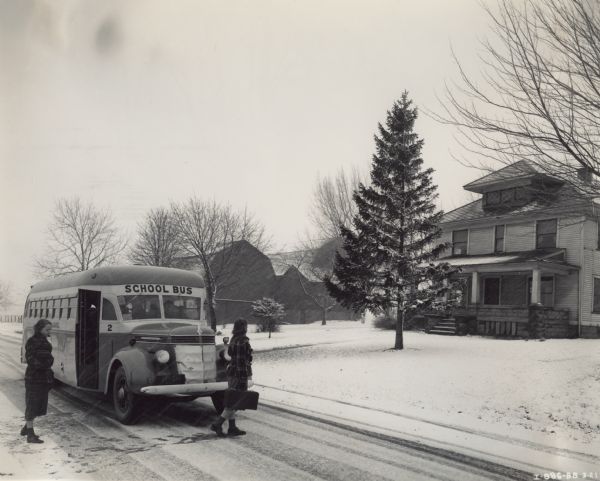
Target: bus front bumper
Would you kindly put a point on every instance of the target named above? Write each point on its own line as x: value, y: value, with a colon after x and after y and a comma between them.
x: 187, y: 389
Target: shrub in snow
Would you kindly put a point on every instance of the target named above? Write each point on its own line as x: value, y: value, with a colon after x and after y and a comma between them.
x: 268, y: 313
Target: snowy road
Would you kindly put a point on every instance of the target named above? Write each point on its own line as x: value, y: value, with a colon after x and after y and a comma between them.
x: 85, y: 442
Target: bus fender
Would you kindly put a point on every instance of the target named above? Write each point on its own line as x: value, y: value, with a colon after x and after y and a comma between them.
x: 138, y: 365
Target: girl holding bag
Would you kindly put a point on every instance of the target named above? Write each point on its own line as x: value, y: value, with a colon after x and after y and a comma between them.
x: 239, y: 371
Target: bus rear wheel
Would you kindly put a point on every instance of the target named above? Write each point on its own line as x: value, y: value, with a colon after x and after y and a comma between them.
x: 125, y: 401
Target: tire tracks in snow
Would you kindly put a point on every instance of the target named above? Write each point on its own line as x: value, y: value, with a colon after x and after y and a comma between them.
x: 497, y: 437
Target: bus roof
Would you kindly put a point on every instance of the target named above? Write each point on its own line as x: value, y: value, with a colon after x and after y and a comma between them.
x: 118, y: 275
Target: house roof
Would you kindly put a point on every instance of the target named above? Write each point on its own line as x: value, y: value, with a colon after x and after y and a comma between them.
x: 551, y: 257
x: 521, y: 170
x: 566, y: 198
x: 300, y: 260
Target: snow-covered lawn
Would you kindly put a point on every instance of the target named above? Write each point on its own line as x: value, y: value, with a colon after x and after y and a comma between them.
x: 548, y: 389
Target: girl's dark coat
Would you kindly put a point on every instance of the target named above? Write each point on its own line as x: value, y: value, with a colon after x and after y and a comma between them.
x: 38, y: 375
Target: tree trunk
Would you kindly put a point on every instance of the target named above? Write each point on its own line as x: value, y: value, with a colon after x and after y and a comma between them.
x: 323, y: 316
x: 399, y: 329
x: 211, y: 289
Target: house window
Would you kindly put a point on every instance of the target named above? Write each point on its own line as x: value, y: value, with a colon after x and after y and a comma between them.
x: 491, y: 291
x: 545, y: 233
x: 499, y: 238
x: 492, y: 198
x: 459, y: 242
x: 596, y: 308
x: 507, y: 195
x: 513, y: 290
x: 520, y: 193
x: 547, y: 291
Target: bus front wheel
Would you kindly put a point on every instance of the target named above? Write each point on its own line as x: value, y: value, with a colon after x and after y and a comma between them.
x: 125, y: 401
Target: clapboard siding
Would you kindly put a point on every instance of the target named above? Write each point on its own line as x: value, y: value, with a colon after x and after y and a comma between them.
x: 519, y: 237
x: 570, y: 235
x: 591, y: 262
x: 566, y: 295
x: 590, y: 237
x: 481, y: 240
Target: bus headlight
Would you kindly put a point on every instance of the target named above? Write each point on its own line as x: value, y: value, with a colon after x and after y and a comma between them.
x: 162, y: 356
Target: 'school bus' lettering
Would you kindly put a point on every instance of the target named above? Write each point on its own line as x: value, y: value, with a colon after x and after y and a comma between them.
x: 156, y: 288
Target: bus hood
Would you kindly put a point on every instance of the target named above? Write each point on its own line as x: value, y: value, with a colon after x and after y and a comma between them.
x: 174, y: 332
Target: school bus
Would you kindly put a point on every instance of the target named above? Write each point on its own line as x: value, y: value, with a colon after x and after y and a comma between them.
x: 130, y: 332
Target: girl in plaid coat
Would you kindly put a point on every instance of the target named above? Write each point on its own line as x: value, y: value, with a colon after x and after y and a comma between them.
x: 239, y: 370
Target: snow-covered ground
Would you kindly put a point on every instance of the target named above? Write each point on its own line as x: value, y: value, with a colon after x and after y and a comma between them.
x: 538, y: 390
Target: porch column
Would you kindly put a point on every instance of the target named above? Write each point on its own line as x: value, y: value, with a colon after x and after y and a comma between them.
x: 536, y: 279
x: 475, y: 288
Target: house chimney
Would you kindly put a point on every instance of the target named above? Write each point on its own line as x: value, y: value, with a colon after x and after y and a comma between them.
x: 585, y: 175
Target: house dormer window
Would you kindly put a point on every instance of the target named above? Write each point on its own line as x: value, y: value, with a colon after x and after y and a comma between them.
x: 460, y: 239
x: 505, y: 198
x: 499, y: 238
x: 545, y: 233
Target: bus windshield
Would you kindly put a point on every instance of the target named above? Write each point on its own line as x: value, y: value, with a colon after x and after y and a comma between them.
x: 139, y: 307
x: 182, y: 307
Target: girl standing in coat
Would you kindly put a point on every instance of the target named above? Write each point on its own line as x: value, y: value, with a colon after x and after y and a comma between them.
x: 239, y: 370
x: 38, y: 377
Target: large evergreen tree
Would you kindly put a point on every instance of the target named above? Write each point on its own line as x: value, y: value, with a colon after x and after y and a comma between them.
x: 386, y: 260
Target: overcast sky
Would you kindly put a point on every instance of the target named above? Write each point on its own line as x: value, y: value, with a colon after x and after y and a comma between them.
x: 133, y: 104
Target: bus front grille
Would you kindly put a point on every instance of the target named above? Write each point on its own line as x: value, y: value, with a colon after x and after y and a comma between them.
x: 192, y: 339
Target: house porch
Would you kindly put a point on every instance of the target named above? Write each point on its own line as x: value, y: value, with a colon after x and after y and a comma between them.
x: 516, y: 295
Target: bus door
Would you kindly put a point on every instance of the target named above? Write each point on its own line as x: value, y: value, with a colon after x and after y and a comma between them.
x: 87, y: 338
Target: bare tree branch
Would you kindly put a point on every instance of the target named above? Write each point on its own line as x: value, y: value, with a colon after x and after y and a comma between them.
x: 539, y: 97
x: 80, y: 237
x: 159, y: 242
x: 333, y: 204
x: 5, y: 296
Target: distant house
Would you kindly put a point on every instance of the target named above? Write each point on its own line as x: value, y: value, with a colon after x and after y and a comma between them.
x: 529, y: 254
x: 244, y: 274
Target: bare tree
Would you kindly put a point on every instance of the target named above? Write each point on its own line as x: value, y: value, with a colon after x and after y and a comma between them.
x: 311, y: 264
x: 158, y: 242
x: 539, y: 96
x: 209, y: 229
x: 332, y: 203
x: 5, y: 296
x: 80, y: 237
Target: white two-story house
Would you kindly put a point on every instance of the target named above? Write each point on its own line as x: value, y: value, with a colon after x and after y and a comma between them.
x: 529, y: 256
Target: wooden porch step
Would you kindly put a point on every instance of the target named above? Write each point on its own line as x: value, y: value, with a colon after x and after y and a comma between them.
x: 442, y: 332
x: 445, y: 327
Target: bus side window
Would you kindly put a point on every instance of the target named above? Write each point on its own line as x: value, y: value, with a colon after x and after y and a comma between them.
x: 108, y: 310
x: 72, y: 309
